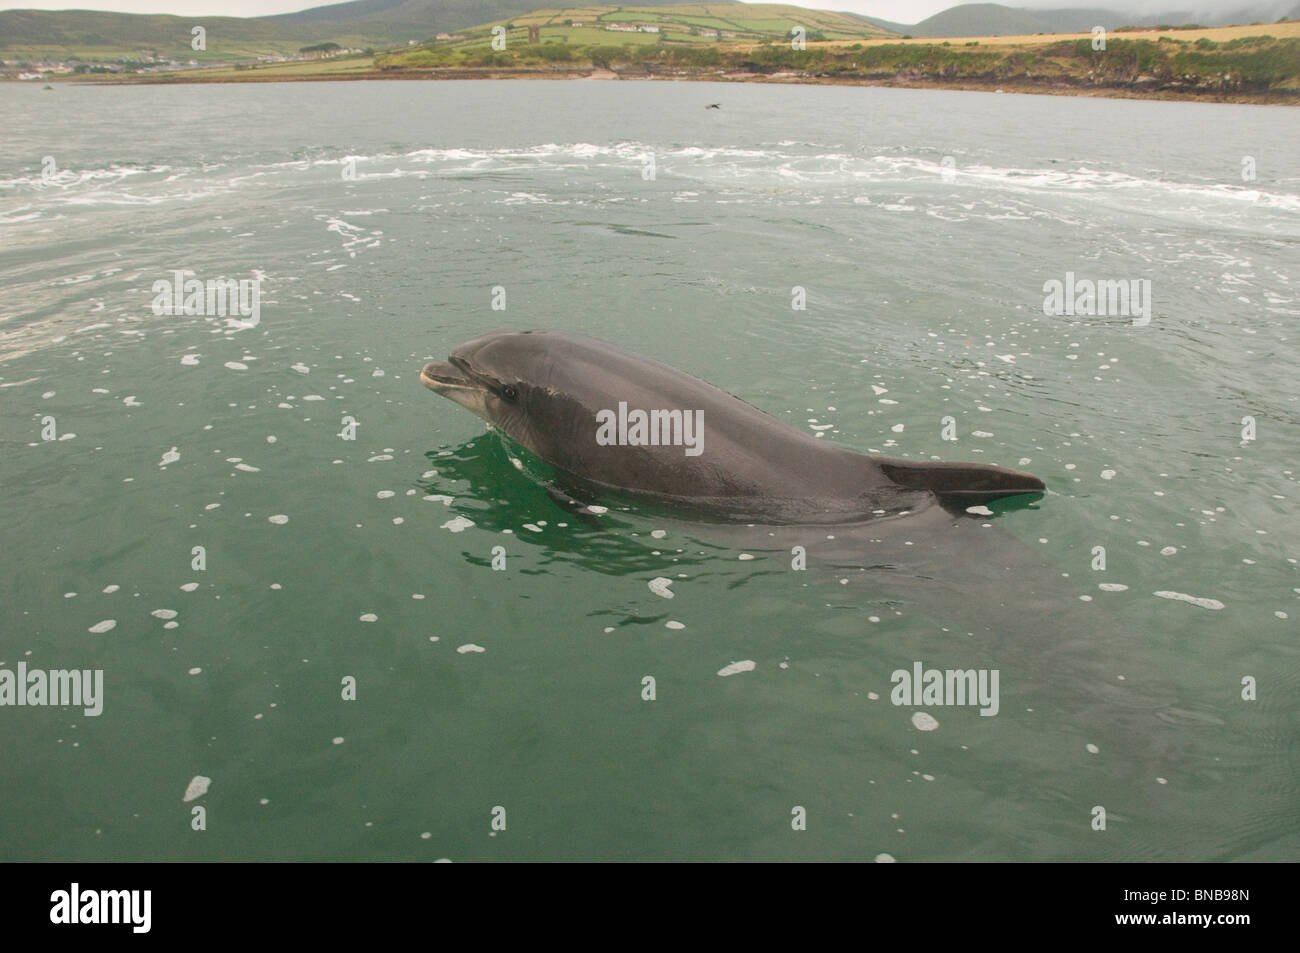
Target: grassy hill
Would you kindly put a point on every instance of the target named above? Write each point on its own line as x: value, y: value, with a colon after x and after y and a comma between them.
x: 727, y: 40
x: 564, y: 30
x: 385, y: 24
x: 93, y: 35
x: 1241, y: 64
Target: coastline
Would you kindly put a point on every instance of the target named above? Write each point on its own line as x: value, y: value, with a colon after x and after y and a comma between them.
x: 1005, y: 84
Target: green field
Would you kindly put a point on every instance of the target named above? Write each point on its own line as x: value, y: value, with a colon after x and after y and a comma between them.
x: 1245, y: 66
x: 1235, y: 63
x: 103, y: 37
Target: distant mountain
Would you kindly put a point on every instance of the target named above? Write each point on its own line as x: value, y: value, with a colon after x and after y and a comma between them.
x: 33, y: 35
x: 883, y: 24
x: 979, y: 19
x: 995, y: 19
x: 86, y: 34
x: 466, y: 13
x: 359, y: 23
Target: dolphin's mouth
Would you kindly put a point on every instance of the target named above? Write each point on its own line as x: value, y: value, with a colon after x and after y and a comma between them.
x: 444, y: 377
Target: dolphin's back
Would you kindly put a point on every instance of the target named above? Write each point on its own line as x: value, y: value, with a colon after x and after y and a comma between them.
x: 750, y: 462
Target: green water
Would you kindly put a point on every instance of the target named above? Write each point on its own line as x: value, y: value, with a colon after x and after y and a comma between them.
x: 924, y: 301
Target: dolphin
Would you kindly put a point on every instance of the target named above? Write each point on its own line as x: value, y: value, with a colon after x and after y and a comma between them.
x: 698, y: 448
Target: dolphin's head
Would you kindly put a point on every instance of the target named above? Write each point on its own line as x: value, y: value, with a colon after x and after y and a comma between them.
x: 494, y: 376
x: 530, y: 385
x: 544, y: 388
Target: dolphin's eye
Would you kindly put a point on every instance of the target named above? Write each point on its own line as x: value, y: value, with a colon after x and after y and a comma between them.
x: 509, y: 393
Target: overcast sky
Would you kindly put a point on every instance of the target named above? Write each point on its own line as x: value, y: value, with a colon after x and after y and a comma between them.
x: 900, y: 11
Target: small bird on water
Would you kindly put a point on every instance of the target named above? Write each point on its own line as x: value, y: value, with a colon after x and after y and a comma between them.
x: 714, y: 106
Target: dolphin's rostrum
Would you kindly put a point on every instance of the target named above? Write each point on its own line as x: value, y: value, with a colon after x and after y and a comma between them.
x: 550, y: 391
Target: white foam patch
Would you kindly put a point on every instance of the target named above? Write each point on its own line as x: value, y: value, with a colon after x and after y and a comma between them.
x: 1092, y: 749
x: 369, y: 617
x: 979, y: 510
x: 101, y: 627
x: 194, y: 671
x: 659, y: 586
x: 469, y: 647
x: 300, y: 368
x: 897, y: 428
x: 1112, y: 587
x: 236, y: 366
x: 379, y: 457
x: 885, y: 859
x: 131, y: 402
x: 164, y: 613
x: 247, y: 468
x: 532, y: 527
x: 196, y: 788
x: 673, y: 624
x: 1194, y: 600
x: 457, y: 525
x: 923, y: 721
x: 171, y: 456
x: 658, y: 533
x: 438, y: 498
x: 278, y: 519
x: 1168, y: 551
x: 745, y: 557
x: 735, y: 668
x: 385, y: 494
x: 597, y: 509
x: 112, y: 588
x: 1108, y: 474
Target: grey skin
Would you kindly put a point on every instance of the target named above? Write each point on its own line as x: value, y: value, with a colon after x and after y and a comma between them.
x: 544, y: 388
